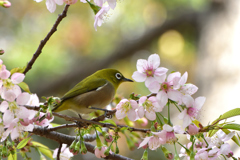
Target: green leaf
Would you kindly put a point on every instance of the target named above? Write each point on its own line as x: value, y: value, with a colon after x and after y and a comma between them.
x: 18, y: 69
x: 233, y: 126
x: 23, y: 143
x: 228, y: 114
x: 109, y: 121
x: 234, y: 138
x: 124, y: 128
x: 13, y: 157
x: 24, y: 87
x: 55, y: 124
x: 43, y: 149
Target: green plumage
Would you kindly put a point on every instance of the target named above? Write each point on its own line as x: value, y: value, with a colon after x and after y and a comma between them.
x: 96, y: 90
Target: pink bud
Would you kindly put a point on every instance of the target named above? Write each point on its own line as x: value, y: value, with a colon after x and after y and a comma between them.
x: 109, y: 138
x: 6, y: 4
x: 192, y: 129
x: 170, y: 156
x: 69, y: 2
x: 25, y: 122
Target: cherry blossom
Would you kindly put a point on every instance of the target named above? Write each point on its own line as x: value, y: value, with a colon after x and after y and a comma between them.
x: 149, y: 70
x: 148, y: 107
x: 192, y: 108
x: 51, y: 4
x: 100, y: 16
x: 127, y: 107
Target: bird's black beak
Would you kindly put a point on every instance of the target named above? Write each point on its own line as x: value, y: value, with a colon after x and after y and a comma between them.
x: 127, y: 80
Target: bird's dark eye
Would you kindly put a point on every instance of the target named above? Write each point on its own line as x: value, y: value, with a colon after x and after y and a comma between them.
x: 118, y: 76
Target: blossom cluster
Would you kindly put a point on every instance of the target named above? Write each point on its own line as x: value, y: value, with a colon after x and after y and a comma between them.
x: 165, y: 90
x: 100, y: 8
x: 14, y: 117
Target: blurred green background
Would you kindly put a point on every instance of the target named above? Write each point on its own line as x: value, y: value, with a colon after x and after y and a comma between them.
x: 135, y: 29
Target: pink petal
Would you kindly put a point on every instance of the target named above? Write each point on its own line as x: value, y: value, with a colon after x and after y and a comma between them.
x: 154, y: 61
x: 14, y: 133
x: 174, y: 95
x: 199, y: 102
x: 17, y: 90
x: 142, y: 65
x: 171, y: 76
x: 3, y: 106
x: 23, y: 98
x: 182, y: 114
x: 59, y: 2
x: 162, y: 98
x: 141, y: 112
x: 8, y: 118
x: 144, y: 142
x: 139, y: 77
x: 187, y: 100
x: 4, y: 74
x: 183, y: 79
x: 161, y: 78
x: 132, y: 115
x: 167, y: 128
x: 112, y: 3
x: 9, y: 95
x: 17, y: 78
x: 186, y: 121
x: 189, y: 89
x: 154, y: 87
x: 142, y: 99
x: 134, y: 104
x: 160, y: 71
x: 150, y: 115
x: 120, y: 114
x: 51, y: 5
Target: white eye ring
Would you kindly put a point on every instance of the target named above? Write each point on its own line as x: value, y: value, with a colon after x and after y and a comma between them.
x: 118, y: 75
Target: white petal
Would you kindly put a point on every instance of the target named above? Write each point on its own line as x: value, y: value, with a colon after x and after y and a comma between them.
x: 154, y: 61
x: 17, y: 78
x: 120, y: 114
x: 142, y: 65
x: 199, y: 102
x: 162, y: 98
x: 132, y: 115
x: 154, y: 87
x: 139, y: 77
x: 174, y: 95
x: 112, y: 3
x: 183, y: 79
x: 150, y: 115
x: 59, y: 2
x: 144, y: 142
x: 167, y: 128
x: 3, y: 106
x: 172, y: 76
x: 140, y: 111
x: 51, y: 5
x: 188, y: 100
x: 23, y: 98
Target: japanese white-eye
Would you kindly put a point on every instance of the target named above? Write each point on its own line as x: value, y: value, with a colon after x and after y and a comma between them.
x: 95, y: 91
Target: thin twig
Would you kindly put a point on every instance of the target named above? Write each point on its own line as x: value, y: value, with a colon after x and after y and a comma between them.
x: 87, y: 122
x: 59, y: 151
x: 44, y: 41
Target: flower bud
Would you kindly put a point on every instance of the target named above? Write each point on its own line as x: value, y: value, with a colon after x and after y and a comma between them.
x: 108, y: 138
x: 5, y: 4
x: 192, y: 129
x: 145, y: 155
x: 69, y: 2
x: 230, y: 154
x: 83, y: 148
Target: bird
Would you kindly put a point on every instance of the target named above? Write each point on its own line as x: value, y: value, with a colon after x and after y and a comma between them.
x: 94, y: 92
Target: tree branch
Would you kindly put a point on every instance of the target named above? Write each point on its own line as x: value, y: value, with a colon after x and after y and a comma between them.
x: 44, y: 41
x: 62, y: 138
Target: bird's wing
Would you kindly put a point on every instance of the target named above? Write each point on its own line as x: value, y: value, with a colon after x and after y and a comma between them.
x: 81, y: 88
